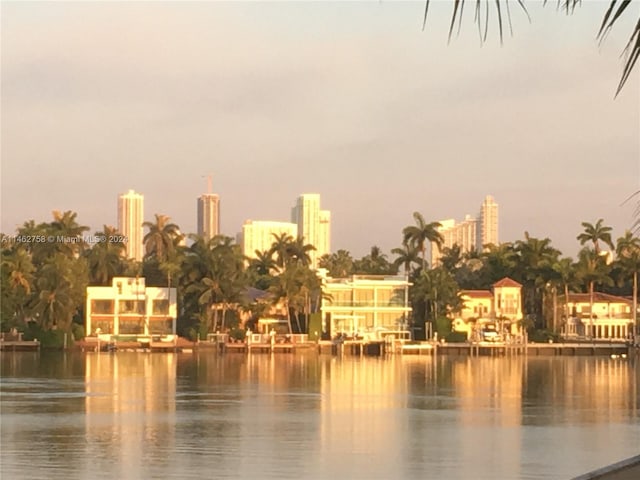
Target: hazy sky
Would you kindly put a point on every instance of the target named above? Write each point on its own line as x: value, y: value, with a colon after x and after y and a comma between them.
x: 350, y: 100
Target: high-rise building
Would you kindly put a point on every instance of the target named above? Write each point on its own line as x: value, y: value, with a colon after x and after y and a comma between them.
x: 259, y: 235
x: 209, y: 215
x: 130, y: 220
x: 314, y: 225
x: 487, y: 223
x: 462, y: 234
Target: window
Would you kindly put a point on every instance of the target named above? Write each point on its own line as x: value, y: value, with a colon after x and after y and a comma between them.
x: 102, y: 307
x: 364, y: 297
x: 130, y: 326
x: 161, y: 327
x: 131, y: 307
x: 161, y: 307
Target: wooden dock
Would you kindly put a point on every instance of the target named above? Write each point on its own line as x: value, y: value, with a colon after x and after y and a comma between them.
x: 20, y: 346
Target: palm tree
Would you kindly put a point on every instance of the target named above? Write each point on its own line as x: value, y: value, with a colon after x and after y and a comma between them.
x: 375, y: 263
x: 339, y: 264
x: 437, y: 291
x: 592, y: 270
x: 281, y: 247
x: 162, y: 237
x: 65, y: 225
x: 417, y: 235
x: 105, y: 259
x: 299, y: 251
x: 214, y: 272
x: 596, y: 233
x: 628, y: 252
x: 19, y: 269
x: 161, y: 242
x: 536, y: 257
x: 499, y: 261
x: 565, y: 276
x: 406, y: 256
x: 61, y: 288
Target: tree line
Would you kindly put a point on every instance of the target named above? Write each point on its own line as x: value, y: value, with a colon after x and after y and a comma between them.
x: 44, y: 282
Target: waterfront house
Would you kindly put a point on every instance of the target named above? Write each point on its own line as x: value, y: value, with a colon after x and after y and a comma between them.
x: 365, y: 304
x: 497, y: 311
x: 612, y: 317
x: 129, y: 307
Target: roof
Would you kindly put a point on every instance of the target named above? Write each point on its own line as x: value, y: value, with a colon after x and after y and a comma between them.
x: 507, y: 282
x: 598, y: 297
x: 255, y: 294
x: 477, y: 293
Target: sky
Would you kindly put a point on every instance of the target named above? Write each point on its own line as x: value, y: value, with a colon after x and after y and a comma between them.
x: 353, y: 101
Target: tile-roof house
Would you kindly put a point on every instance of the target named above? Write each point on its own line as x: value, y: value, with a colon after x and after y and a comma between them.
x: 489, y: 307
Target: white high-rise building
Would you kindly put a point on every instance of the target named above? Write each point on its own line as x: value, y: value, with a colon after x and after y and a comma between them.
x: 462, y: 234
x: 209, y: 215
x: 259, y: 235
x: 487, y: 223
x: 130, y: 220
x: 314, y: 225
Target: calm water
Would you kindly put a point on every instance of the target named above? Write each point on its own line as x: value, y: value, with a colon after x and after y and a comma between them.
x: 137, y: 415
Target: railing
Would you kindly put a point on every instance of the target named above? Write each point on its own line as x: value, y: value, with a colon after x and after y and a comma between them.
x: 366, y: 303
x: 11, y: 337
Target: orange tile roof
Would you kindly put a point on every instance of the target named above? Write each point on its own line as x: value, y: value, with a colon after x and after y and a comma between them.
x: 598, y: 297
x: 477, y: 293
x: 507, y: 282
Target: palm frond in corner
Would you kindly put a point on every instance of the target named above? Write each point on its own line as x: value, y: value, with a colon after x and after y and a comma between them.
x: 613, y: 13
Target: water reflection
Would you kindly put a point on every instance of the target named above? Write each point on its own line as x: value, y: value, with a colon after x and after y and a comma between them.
x: 138, y: 415
x: 130, y: 411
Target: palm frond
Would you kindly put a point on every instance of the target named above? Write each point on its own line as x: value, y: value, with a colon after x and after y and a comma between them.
x: 613, y: 13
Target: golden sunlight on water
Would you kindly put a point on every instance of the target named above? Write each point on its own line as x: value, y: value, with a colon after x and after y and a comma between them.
x: 139, y: 415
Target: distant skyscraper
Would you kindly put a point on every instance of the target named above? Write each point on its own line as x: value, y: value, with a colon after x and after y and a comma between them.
x: 488, y: 223
x: 314, y: 225
x: 259, y: 235
x: 462, y: 234
x: 130, y: 220
x: 209, y: 215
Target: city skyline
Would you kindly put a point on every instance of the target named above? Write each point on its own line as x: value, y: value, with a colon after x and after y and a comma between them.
x: 353, y: 101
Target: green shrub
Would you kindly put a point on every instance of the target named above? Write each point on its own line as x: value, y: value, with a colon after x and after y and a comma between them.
x: 192, y: 334
x: 237, y: 334
x: 78, y: 331
x: 456, y: 337
x: 542, y: 336
x: 32, y: 331
x: 443, y: 327
x: 52, y: 338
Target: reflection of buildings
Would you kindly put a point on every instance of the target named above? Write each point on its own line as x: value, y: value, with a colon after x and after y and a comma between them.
x: 130, y: 220
x: 612, y: 317
x: 500, y: 308
x: 363, y: 303
x: 130, y: 406
x: 489, y: 398
x: 129, y: 307
x: 363, y: 415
